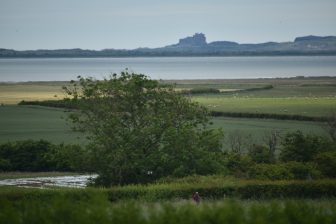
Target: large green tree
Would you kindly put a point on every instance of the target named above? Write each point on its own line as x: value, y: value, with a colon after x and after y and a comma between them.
x: 140, y: 130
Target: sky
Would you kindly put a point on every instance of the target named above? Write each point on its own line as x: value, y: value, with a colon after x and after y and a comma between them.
x: 129, y: 24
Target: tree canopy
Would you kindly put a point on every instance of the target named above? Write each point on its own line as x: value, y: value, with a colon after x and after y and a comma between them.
x: 141, y: 130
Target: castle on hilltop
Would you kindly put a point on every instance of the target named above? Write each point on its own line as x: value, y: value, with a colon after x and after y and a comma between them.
x: 198, y: 39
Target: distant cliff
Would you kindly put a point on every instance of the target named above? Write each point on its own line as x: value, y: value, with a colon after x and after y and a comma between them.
x: 197, y: 45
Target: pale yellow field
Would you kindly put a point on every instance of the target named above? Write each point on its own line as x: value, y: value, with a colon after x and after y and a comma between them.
x: 14, y: 93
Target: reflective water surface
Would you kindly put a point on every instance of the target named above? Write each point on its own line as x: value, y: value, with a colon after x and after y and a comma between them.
x: 61, y: 181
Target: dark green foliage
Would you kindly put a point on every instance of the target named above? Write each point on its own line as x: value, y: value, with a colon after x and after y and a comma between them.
x: 140, y: 131
x: 4, y: 164
x: 70, y: 158
x: 267, y: 116
x: 42, y: 155
x: 284, y: 171
x: 201, y: 91
x: 303, y: 148
x: 303, y: 189
x: 326, y: 163
x: 303, y: 171
x: 26, y: 155
x: 50, y: 103
x: 238, y: 164
x: 99, y: 210
x: 260, y: 154
x: 270, y: 172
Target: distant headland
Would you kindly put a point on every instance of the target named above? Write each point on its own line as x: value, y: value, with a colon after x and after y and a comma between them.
x: 197, y: 45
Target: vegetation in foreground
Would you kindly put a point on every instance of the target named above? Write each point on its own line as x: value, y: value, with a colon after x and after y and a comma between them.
x: 94, y: 207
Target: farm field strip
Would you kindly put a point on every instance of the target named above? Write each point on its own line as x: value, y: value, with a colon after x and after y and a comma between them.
x: 33, y: 122
x: 321, y: 106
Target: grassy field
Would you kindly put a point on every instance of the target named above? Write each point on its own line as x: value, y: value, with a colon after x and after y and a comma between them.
x: 12, y: 93
x: 33, y: 122
x: 257, y: 130
x: 307, y: 106
x: 24, y: 122
x: 300, y: 96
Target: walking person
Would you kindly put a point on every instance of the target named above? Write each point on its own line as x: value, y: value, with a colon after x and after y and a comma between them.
x: 196, y: 197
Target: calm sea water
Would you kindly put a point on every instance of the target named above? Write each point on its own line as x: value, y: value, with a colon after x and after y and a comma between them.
x: 50, y: 69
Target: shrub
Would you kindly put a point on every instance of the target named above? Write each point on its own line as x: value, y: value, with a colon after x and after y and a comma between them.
x: 284, y: 171
x: 238, y: 164
x: 302, y: 171
x: 260, y: 154
x: 303, y: 148
x: 30, y: 155
x: 326, y: 163
x: 5, y: 165
x: 270, y: 172
x: 204, y: 91
x: 26, y: 155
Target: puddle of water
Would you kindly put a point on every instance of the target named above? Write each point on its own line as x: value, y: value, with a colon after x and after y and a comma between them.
x: 40, y: 182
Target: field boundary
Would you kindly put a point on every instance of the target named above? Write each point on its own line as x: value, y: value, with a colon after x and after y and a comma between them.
x: 69, y: 105
x: 267, y: 116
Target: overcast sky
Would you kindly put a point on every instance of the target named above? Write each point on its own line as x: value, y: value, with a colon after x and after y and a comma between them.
x: 99, y: 24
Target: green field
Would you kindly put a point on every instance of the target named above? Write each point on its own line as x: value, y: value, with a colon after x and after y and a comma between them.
x: 315, y: 97
x: 307, y: 106
x: 258, y: 129
x: 33, y: 122
x: 20, y: 123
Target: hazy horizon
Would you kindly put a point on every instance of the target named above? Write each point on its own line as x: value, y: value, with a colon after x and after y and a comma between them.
x: 127, y: 24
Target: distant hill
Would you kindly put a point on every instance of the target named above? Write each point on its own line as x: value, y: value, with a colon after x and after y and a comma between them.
x: 197, y: 45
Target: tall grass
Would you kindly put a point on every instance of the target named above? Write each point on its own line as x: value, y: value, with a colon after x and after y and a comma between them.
x: 216, y: 189
x: 99, y: 210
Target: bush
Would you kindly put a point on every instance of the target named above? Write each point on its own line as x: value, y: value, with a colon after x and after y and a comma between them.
x: 5, y: 164
x: 26, y: 155
x: 303, y: 148
x: 266, y: 116
x: 260, y: 154
x: 42, y: 155
x: 297, y: 189
x: 284, y: 171
x: 238, y: 164
x: 270, y: 172
x: 302, y: 171
x: 326, y: 163
x: 70, y: 158
x: 204, y: 91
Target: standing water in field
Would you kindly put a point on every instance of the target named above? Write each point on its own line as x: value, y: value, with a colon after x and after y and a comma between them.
x: 61, y: 181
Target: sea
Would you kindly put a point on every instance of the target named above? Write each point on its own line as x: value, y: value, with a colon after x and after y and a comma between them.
x: 166, y: 68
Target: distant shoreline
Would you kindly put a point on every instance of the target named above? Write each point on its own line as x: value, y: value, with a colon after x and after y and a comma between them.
x: 181, y: 56
x: 293, y: 78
